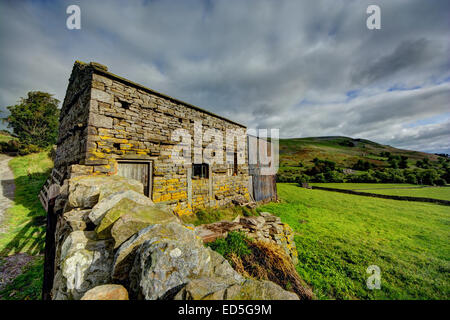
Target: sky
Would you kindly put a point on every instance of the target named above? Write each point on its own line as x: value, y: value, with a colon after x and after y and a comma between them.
x: 308, y: 68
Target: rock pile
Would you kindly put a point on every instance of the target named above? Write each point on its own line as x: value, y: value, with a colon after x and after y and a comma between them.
x: 265, y: 227
x: 112, y: 242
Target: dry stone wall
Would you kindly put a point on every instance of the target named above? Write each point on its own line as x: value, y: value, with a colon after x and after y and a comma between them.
x: 112, y: 242
x: 265, y: 227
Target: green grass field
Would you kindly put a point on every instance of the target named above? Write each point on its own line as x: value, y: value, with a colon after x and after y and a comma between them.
x: 338, y: 236
x: 410, y: 190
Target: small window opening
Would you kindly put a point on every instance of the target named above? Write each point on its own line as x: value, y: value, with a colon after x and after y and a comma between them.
x: 235, y: 165
x: 125, y: 105
x: 200, y: 171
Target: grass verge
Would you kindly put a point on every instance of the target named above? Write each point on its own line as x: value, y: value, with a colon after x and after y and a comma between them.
x: 28, y: 285
x: 25, y: 222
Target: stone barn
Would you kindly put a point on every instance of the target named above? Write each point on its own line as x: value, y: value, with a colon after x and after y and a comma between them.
x: 111, y: 125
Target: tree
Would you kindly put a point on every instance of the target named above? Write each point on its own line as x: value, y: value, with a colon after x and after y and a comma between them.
x: 393, y: 163
x: 403, y: 164
x: 35, y: 119
x: 362, y: 165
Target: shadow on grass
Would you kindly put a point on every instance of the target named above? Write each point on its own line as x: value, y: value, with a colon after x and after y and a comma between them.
x: 29, y: 236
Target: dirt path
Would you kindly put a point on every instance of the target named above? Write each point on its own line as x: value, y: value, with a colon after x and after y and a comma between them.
x: 7, y: 187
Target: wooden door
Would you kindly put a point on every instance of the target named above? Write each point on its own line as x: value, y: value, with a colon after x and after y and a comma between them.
x: 140, y: 171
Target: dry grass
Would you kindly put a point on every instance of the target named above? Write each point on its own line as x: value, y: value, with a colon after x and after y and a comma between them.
x: 267, y: 261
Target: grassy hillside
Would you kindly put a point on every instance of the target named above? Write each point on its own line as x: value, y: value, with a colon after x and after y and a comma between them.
x: 338, y: 236
x: 342, y: 159
x: 342, y: 150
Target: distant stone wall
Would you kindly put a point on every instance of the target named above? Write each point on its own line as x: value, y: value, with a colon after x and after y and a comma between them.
x: 106, y: 118
x: 386, y: 196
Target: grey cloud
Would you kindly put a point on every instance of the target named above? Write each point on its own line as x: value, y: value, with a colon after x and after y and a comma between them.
x: 251, y: 61
x: 408, y: 54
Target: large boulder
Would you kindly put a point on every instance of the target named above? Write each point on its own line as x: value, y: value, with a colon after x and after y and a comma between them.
x: 84, y: 262
x: 263, y: 290
x: 125, y: 255
x: 86, y: 191
x: 106, y: 292
x: 215, y: 289
x: 208, y: 289
x: 222, y: 271
x: 133, y: 217
x: 77, y: 220
x: 103, y: 206
x: 166, y: 257
x: 163, y: 266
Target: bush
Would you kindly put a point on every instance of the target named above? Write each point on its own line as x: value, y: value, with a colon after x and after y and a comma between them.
x: 440, y: 182
x: 411, y: 178
x: 25, y: 149
x: 12, y: 146
x: 320, y: 177
x: 236, y: 243
x: 302, y: 178
x: 334, y: 176
x: 362, y: 165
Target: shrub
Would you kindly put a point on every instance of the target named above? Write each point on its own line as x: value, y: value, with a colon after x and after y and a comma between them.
x: 334, y: 176
x: 11, y: 146
x: 362, y: 165
x: 411, y: 178
x: 234, y: 244
x: 302, y: 178
x: 25, y: 149
x: 320, y: 177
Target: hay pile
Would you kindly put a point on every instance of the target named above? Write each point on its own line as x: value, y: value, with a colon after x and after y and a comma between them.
x: 267, y: 261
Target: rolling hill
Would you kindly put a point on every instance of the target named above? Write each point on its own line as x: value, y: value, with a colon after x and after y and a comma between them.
x: 344, y: 151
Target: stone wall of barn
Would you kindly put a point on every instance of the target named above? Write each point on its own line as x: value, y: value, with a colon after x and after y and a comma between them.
x: 74, y: 116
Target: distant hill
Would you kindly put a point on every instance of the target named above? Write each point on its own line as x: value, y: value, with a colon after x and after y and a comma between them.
x: 344, y: 151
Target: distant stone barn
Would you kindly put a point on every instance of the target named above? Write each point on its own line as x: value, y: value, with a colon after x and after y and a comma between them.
x: 111, y: 125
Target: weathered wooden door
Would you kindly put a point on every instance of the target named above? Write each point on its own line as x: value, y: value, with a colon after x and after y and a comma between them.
x: 140, y: 171
x: 264, y: 188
